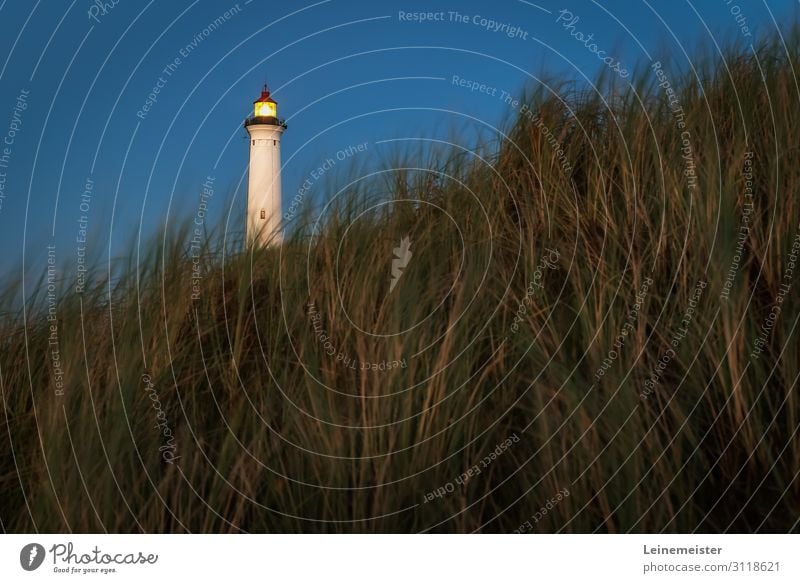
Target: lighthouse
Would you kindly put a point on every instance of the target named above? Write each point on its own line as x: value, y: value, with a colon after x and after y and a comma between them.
x: 264, y: 178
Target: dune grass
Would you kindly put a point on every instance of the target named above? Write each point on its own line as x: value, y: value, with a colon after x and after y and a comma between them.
x: 547, y: 282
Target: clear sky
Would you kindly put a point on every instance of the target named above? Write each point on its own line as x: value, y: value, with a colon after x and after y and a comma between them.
x: 82, y: 138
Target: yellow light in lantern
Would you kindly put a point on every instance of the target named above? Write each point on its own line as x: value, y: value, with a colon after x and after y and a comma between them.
x: 266, y: 109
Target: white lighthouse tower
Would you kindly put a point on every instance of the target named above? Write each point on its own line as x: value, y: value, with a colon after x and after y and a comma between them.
x: 264, y: 179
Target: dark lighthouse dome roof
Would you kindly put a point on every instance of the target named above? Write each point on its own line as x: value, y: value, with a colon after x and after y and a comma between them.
x: 265, y: 98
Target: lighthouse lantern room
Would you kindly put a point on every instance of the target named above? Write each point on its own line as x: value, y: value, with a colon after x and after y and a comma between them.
x: 263, y: 221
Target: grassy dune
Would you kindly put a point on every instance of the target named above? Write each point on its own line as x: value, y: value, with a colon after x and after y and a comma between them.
x: 583, y: 327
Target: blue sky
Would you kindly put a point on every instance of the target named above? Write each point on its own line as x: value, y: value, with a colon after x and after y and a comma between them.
x: 343, y: 73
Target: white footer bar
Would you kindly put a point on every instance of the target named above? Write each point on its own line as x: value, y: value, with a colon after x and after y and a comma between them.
x: 399, y: 558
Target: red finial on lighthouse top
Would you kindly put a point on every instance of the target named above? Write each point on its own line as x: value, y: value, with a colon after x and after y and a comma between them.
x: 265, y: 96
